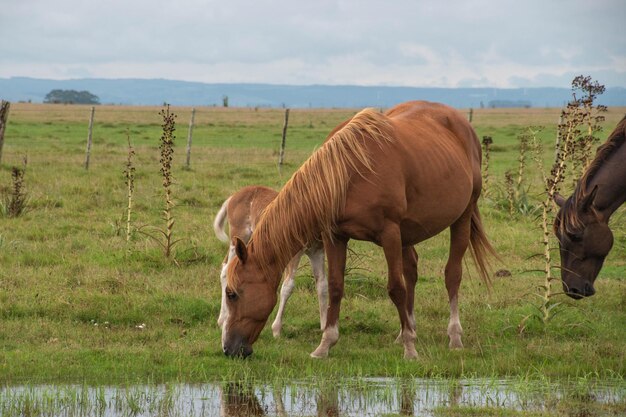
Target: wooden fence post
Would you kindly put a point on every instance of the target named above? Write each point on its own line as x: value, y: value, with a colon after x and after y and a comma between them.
x: 93, y: 109
x: 282, y: 144
x: 4, y: 115
x: 189, y: 135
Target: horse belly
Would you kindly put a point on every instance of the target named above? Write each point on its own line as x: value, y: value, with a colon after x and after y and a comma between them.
x: 421, y: 213
x: 427, y: 219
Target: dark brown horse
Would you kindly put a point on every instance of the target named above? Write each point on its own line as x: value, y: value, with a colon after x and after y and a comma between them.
x: 581, y: 225
x: 394, y: 179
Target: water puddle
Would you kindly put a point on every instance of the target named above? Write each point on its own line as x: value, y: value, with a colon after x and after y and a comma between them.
x: 361, y: 397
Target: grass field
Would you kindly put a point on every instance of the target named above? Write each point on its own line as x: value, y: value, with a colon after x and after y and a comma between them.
x: 78, y: 304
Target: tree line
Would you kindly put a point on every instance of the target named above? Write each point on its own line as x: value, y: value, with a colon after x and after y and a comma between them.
x: 71, y: 97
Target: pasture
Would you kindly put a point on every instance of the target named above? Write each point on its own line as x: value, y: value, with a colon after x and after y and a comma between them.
x: 80, y: 305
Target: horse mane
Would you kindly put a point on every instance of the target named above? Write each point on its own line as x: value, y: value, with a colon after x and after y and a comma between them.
x: 311, y: 201
x: 571, y: 222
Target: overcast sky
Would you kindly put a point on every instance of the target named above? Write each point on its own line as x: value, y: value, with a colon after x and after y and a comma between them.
x: 441, y: 43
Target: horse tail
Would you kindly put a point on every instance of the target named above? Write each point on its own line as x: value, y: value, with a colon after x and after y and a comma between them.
x: 220, y: 221
x: 480, y: 248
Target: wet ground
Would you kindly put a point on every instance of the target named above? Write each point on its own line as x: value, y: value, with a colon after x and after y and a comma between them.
x: 358, y: 397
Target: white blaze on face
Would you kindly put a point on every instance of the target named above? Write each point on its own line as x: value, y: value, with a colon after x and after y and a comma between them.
x: 225, y: 324
x: 223, y: 279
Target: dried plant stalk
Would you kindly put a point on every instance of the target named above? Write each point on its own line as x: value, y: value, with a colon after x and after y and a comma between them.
x: 487, y: 141
x: 129, y: 173
x: 551, y: 186
x: 15, y: 201
x: 167, y: 151
x: 510, y: 192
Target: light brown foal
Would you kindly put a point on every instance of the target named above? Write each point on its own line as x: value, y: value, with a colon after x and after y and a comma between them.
x: 242, y: 210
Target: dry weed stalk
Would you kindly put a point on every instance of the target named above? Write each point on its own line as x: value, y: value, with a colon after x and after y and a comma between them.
x: 129, y: 174
x: 16, y: 200
x: 487, y: 141
x: 551, y: 186
x: 510, y: 192
x: 167, y: 151
x: 523, y: 148
x: 581, y: 122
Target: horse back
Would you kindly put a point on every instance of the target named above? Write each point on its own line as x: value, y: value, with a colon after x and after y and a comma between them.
x: 428, y: 120
x: 245, y: 208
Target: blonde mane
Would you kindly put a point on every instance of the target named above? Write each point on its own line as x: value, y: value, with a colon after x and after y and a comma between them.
x: 308, y: 205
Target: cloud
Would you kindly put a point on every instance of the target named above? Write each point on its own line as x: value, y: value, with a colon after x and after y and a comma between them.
x: 428, y: 43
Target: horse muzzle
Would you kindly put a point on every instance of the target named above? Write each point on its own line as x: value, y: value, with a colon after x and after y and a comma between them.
x: 237, y: 349
x: 576, y: 292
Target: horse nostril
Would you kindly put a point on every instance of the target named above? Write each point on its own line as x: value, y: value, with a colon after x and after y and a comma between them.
x: 574, y: 293
x: 589, y: 290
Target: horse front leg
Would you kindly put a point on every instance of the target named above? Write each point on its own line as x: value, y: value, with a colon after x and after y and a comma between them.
x: 316, y: 256
x: 285, y: 292
x: 409, y: 271
x: 391, y: 241
x: 336, y: 251
x: 459, y: 241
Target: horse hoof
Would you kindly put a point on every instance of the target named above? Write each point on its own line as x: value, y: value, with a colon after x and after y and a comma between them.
x: 276, y: 333
x: 410, y: 355
x: 455, y: 345
x: 319, y: 355
x: 276, y: 330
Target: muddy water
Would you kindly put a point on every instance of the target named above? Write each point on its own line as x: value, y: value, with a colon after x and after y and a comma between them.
x: 362, y: 397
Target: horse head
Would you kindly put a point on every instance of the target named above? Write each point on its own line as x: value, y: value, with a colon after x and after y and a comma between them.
x: 584, y: 239
x: 250, y: 299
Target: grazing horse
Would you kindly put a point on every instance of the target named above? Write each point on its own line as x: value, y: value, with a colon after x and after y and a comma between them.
x: 581, y: 225
x: 242, y: 209
x: 394, y: 179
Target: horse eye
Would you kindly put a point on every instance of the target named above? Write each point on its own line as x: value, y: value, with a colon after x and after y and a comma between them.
x: 575, y: 238
x: 231, y: 295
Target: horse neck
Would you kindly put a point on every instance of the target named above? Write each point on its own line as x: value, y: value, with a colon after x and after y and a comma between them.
x: 280, y: 234
x: 611, y: 181
x: 270, y: 264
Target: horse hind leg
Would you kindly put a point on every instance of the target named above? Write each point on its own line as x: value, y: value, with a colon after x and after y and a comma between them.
x: 285, y: 292
x: 459, y: 241
x: 409, y: 271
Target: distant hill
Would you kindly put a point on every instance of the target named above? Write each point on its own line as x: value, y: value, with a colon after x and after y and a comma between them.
x: 159, y: 91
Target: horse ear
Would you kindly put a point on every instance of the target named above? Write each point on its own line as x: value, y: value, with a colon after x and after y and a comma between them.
x: 587, y: 201
x: 241, y: 250
x: 559, y: 199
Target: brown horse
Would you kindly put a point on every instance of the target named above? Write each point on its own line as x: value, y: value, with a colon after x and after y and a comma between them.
x: 581, y: 225
x: 394, y: 179
x: 242, y: 210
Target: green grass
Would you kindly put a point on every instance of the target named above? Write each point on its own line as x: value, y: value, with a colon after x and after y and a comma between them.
x: 73, y: 299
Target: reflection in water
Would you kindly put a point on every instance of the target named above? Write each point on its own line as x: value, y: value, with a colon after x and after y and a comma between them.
x: 456, y: 393
x: 328, y: 402
x: 407, y: 398
x: 239, y: 400
x: 345, y: 398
